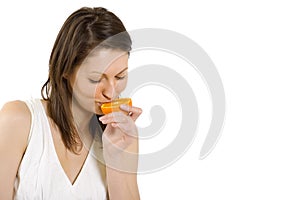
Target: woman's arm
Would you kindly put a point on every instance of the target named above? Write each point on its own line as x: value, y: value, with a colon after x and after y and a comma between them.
x: 121, y: 175
x: 120, y: 151
x: 122, y: 185
x: 15, y: 122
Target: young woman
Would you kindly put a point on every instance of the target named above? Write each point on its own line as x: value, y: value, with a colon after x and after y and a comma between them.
x: 62, y: 146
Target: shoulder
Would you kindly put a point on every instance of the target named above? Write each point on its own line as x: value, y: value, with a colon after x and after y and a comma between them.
x: 15, y: 122
x: 15, y: 112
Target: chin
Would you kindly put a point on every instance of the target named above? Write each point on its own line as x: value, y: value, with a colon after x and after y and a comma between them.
x: 97, y: 110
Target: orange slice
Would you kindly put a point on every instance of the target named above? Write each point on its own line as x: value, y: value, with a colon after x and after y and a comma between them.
x: 114, y: 106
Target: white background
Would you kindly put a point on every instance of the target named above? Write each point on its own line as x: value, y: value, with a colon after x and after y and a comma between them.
x: 255, y: 46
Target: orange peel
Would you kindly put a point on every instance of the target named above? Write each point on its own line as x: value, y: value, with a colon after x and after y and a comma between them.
x: 114, y: 106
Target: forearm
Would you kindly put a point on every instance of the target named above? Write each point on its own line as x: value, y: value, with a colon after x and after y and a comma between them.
x: 122, y: 185
x: 120, y: 152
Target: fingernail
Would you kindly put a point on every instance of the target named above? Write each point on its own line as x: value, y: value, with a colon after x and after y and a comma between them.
x: 124, y: 106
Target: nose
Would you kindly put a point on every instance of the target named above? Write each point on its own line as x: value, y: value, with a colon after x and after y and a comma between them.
x: 108, y: 90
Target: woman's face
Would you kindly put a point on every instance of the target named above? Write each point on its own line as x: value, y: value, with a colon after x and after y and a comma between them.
x: 100, y: 78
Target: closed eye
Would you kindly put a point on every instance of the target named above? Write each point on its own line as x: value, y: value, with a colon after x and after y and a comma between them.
x: 94, y: 81
x: 120, y: 77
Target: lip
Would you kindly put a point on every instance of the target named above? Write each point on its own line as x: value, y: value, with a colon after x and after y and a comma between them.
x: 100, y: 103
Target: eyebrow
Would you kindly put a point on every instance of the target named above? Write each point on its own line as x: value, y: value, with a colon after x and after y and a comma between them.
x: 96, y: 72
x: 122, y: 71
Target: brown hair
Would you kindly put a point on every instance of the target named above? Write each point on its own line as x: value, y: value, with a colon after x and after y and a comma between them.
x: 84, y: 30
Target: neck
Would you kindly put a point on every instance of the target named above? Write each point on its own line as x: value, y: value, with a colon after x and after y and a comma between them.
x: 82, y: 119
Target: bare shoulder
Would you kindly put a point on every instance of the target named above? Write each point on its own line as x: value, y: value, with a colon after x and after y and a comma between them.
x: 15, y: 121
x: 15, y: 112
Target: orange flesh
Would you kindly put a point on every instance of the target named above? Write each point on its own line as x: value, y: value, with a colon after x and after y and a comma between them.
x: 114, y: 106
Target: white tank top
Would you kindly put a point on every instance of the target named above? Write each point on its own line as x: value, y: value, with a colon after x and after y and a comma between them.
x: 41, y: 176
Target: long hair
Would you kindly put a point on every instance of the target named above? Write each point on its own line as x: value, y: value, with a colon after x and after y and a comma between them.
x: 84, y: 30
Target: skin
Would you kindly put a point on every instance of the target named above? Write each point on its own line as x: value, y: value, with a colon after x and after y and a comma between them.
x: 100, y: 78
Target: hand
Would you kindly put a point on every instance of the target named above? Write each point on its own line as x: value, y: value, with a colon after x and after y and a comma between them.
x: 120, y: 139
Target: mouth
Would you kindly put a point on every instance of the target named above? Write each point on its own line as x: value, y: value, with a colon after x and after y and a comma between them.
x: 100, y: 103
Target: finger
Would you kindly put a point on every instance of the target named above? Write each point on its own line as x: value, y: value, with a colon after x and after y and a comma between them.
x: 121, y: 121
x: 113, y: 136
x: 114, y: 117
x: 133, y: 112
x: 118, y: 142
x: 128, y: 129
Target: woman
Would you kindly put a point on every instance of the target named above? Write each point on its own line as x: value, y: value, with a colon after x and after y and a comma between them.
x: 50, y: 148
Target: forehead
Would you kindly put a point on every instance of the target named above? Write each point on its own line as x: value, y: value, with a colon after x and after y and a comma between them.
x: 103, y: 60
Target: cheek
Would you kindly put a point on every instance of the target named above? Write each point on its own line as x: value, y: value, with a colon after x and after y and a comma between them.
x: 83, y: 90
x: 121, y: 85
